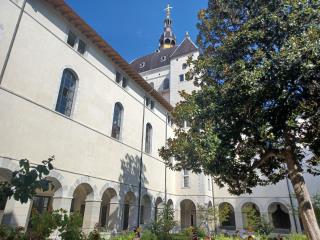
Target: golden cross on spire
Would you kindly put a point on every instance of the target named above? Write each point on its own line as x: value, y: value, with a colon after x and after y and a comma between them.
x: 168, y: 10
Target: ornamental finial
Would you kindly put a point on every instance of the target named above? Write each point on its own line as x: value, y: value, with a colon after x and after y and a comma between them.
x: 168, y: 10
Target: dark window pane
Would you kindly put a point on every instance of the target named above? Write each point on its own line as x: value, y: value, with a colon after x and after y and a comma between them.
x: 41, y: 203
x: 66, y: 93
x: 152, y: 104
x: 166, y: 84
x: 71, y: 39
x: 81, y: 47
x: 117, y: 121
x: 181, y: 76
x: 118, y: 77
x: 124, y: 82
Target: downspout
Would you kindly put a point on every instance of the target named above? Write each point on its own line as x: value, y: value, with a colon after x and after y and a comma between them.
x: 12, y: 42
x: 141, y: 156
x: 214, y: 205
x: 165, y: 170
x: 292, y: 207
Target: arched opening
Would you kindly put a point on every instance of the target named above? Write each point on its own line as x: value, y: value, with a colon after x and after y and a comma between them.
x: 166, y: 84
x: 173, y: 42
x: 109, y: 209
x: 170, y: 203
x: 117, y: 121
x: 250, y: 212
x: 145, y: 210
x: 42, y: 201
x: 128, y: 210
x: 5, y: 176
x: 67, y: 92
x: 167, y: 41
x: 158, y: 207
x: 279, y: 216
x: 188, y: 213
x: 80, y: 195
x: 229, y: 223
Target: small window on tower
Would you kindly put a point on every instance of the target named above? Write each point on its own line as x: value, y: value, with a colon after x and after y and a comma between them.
x: 184, y: 66
x: 142, y: 65
x: 181, y: 77
x: 163, y: 58
x: 71, y: 39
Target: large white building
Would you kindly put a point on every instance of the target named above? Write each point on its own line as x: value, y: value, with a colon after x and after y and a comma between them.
x: 65, y: 92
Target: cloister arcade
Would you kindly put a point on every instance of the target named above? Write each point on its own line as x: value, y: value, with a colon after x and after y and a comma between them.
x: 115, y: 206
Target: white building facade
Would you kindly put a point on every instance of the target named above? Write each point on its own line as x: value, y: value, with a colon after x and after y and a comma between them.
x: 65, y: 92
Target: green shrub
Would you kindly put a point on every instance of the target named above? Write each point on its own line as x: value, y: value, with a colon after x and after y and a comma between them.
x: 124, y: 236
x: 94, y: 235
x: 70, y: 227
x: 148, y: 235
x: 296, y: 237
x: 44, y: 224
x: 9, y: 233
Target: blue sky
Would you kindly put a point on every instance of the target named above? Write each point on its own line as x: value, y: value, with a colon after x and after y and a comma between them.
x: 133, y: 27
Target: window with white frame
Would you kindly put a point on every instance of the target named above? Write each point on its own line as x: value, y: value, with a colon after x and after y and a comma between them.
x: 74, y: 41
x: 67, y: 91
x: 149, y: 103
x: 121, y: 80
x: 186, y: 178
x: 117, y: 121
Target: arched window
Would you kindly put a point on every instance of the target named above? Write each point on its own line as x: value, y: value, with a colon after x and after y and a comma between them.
x: 148, y: 143
x: 166, y: 84
x: 117, y: 121
x: 66, y: 92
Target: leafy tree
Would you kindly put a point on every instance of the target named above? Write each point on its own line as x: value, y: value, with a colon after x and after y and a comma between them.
x: 256, y: 221
x: 257, y: 108
x: 211, y: 215
x: 165, y: 223
x: 26, y: 181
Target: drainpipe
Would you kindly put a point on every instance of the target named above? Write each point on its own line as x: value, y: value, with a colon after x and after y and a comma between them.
x: 141, y: 162
x: 165, y: 170
x: 214, y: 205
x: 292, y: 207
x: 12, y: 42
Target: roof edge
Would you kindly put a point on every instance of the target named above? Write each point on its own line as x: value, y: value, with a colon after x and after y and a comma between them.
x: 71, y: 16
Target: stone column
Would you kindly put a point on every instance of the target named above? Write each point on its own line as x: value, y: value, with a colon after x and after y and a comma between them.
x: 239, y: 220
x: 91, y: 215
x: 16, y: 213
x: 62, y: 203
x: 113, y: 217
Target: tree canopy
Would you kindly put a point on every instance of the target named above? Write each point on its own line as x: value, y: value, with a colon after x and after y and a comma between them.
x: 256, y: 114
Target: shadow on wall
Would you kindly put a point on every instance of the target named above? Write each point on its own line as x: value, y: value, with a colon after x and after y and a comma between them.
x: 129, y: 193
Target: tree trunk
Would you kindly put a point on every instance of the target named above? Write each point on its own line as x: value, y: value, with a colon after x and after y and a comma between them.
x: 302, y: 194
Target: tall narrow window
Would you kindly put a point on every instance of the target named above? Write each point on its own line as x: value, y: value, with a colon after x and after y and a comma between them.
x: 186, y: 178
x: 66, y: 93
x: 117, y: 121
x: 148, y: 143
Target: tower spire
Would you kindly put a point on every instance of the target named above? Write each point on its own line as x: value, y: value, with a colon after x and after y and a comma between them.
x: 167, y: 38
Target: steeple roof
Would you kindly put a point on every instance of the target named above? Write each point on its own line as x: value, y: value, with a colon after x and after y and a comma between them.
x: 167, y: 38
x: 163, y: 56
